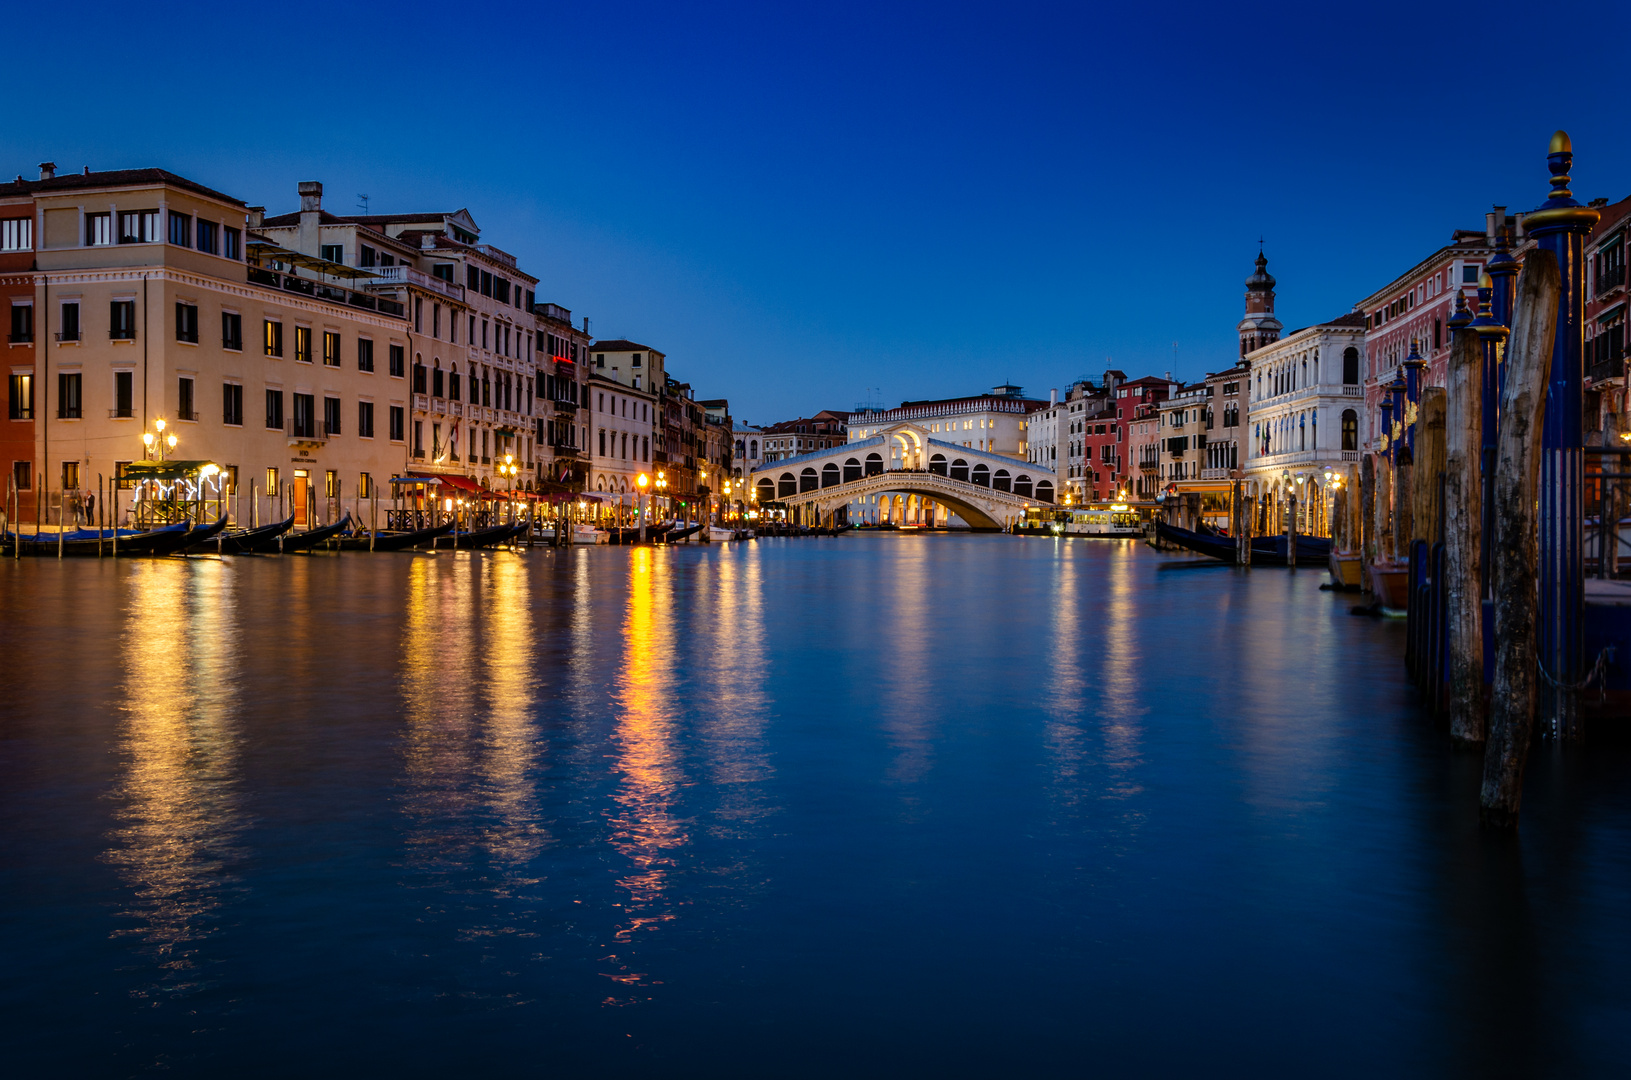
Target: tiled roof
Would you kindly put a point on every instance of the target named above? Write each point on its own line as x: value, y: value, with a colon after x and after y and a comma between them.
x: 111, y: 178
x: 620, y: 345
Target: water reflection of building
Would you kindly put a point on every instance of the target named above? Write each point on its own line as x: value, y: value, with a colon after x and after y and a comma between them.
x: 177, y: 829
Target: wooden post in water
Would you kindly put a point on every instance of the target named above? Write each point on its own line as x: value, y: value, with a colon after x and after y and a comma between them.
x: 1291, y: 527
x: 1367, y: 516
x: 1463, y: 524
x: 1430, y: 453
x: 1516, y: 547
x: 1383, y: 499
x: 1403, y: 531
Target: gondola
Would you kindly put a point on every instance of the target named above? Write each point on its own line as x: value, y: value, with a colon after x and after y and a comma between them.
x: 680, y: 534
x: 199, y: 534
x: 239, y: 541
x: 302, y: 541
x: 1266, y: 550
x: 395, y: 541
x: 480, y: 538
x: 82, y: 543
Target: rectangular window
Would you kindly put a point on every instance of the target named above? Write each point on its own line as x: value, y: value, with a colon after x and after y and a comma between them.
x: 331, y: 348
x: 16, y: 234
x: 139, y: 227
x: 69, y: 322
x: 229, y: 476
x: 365, y: 354
x: 122, y: 320
x: 334, y: 253
x: 22, y: 475
x: 181, y: 227
x: 419, y: 438
x: 331, y: 416
x: 365, y: 419
x: 1469, y: 274
x: 68, y: 395
x: 232, y: 404
x: 436, y: 379
x: 272, y: 481
x: 436, y: 320
x: 398, y: 360
x: 185, y: 395
x: 365, y: 486
x: 305, y: 416
x: 98, y: 229
x: 22, y: 323
x: 443, y: 271
x: 274, y: 410
x: 396, y: 418
x: 272, y: 337
x: 70, y: 475
x: 233, y: 248
x: 124, y: 393
x: 208, y: 236
x: 365, y: 255
x: 418, y: 315
x: 331, y: 484
x: 232, y: 331
x: 302, y: 344
x: 187, y: 322
x: 486, y: 284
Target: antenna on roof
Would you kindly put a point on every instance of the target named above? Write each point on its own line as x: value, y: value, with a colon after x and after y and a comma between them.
x: 362, y: 202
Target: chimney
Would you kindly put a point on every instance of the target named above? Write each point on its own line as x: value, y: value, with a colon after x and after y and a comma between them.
x: 1053, y: 396
x: 48, y: 170
x: 1490, y: 225
x: 256, y: 217
x: 308, y: 240
x: 87, y: 170
x: 427, y: 242
x: 1518, y: 226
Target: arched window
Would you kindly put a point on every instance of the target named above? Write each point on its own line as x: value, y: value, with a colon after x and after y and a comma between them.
x: 852, y: 470
x: 767, y: 490
x: 1000, y: 481
x: 1302, y: 432
x: 937, y: 464
x: 830, y: 476
x: 786, y: 485
x: 1305, y: 374
x: 1350, y: 366
x: 874, y: 464
x: 959, y: 470
x: 436, y: 377
x: 981, y: 475
x: 453, y: 383
x: 808, y: 480
x: 1044, y: 491
x: 1022, y: 485
x: 1350, y: 427
x: 753, y: 448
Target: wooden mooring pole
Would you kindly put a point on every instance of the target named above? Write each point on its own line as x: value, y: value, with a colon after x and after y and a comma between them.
x: 1463, y: 518
x: 1516, y: 546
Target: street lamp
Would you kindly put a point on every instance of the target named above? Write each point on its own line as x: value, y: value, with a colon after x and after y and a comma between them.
x: 662, y: 488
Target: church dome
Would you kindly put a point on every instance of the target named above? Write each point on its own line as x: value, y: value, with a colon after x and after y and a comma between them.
x: 1262, y: 279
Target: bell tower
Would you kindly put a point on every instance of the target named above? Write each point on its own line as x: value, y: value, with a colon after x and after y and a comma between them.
x: 1259, y: 327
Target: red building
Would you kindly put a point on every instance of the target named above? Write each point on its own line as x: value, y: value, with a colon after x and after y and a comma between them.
x: 17, y: 431
x: 1605, y: 316
x: 1109, y: 471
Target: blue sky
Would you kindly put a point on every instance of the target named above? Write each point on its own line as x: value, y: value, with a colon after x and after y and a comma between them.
x: 800, y: 204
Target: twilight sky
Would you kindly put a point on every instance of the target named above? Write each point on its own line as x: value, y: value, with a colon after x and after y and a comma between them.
x: 807, y: 207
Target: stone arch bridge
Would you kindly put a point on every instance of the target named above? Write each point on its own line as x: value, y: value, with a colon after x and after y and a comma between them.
x: 987, y: 490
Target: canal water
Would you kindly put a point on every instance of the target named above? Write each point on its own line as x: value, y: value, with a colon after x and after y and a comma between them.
x: 879, y: 805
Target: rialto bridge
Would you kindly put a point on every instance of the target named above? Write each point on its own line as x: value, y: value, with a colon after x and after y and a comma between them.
x: 986, y: 490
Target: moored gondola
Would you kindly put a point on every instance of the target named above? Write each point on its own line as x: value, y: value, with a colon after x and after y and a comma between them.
x: 395, y: 541
x: 480, y: 538
x: 1266, y: 550
x: 240, y: 541
x: 82, y: 543
x: 302, y: 541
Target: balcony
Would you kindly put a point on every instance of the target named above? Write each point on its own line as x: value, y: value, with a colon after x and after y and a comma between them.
x: 320, y: 290
x: 122, y: 334
x: 1611, y: 367
x: 395, y: 276
x: 68, y: 335
x: 1609, y: 279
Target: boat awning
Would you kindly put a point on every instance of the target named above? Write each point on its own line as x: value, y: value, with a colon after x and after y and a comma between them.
x: 458, y: 484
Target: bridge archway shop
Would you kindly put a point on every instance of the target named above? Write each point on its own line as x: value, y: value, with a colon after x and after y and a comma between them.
x: 987, y: 490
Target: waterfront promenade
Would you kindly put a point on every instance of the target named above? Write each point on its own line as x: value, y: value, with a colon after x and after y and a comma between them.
x: 890, y: 804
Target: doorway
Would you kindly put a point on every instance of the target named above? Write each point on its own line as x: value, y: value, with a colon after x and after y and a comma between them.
x: 302, y: 483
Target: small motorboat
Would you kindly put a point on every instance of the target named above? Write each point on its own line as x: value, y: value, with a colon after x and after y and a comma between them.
x: 588, y: 534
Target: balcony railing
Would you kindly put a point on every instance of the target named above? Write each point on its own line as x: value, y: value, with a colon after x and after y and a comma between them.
x: 394, y: 276
x: 1609, y: 279
x: 122, y: 334
x: 320, y: 290
x: 68, y: 335
x: 1613, y: 367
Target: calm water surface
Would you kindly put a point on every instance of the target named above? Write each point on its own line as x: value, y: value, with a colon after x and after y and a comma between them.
x: 921, y: 805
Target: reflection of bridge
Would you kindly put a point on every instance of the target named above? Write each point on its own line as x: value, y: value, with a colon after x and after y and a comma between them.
x: 987, y: 490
